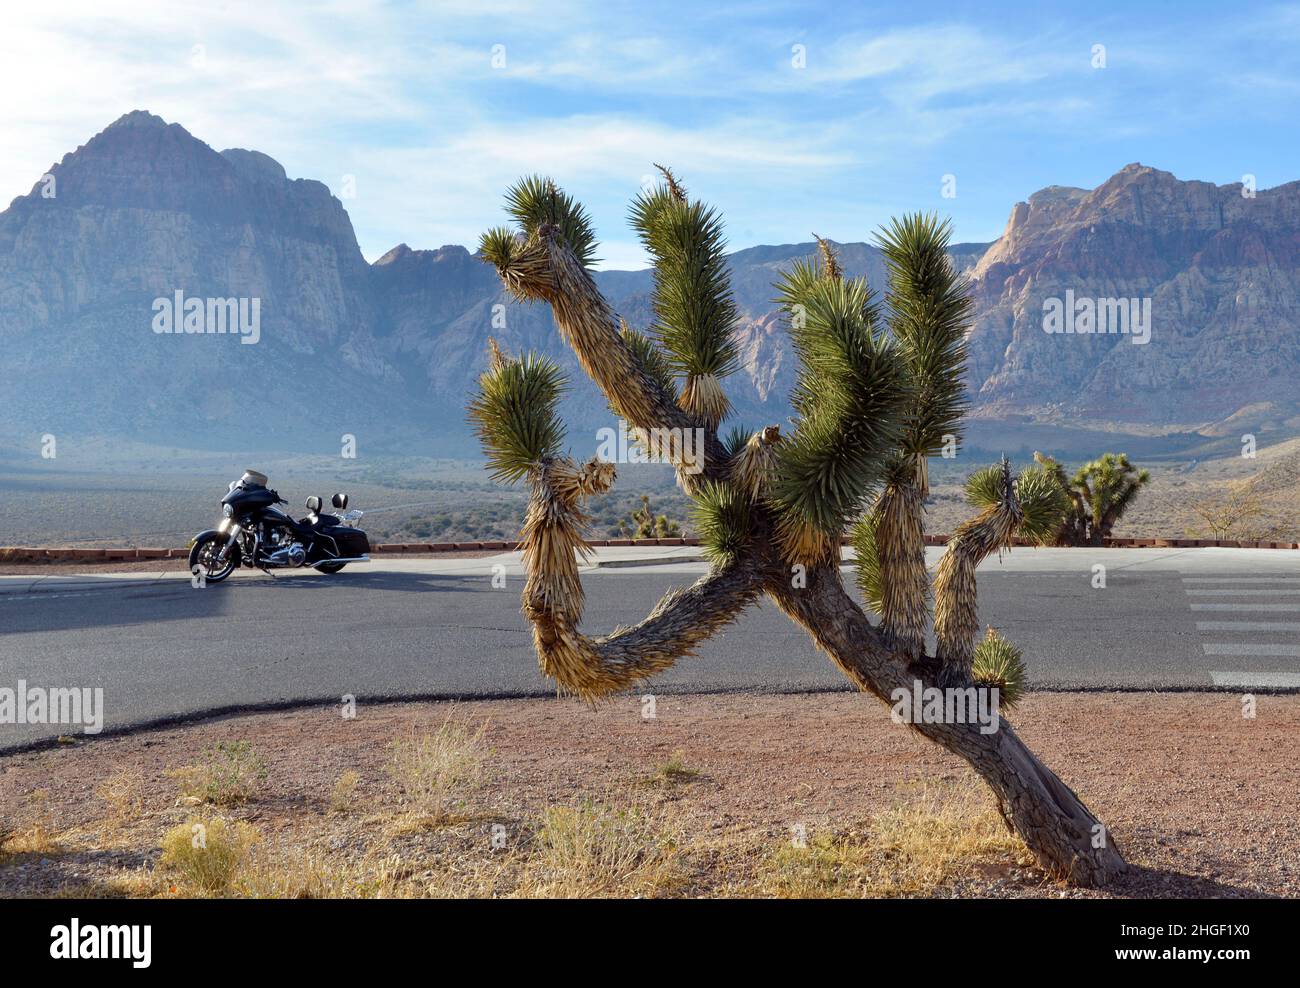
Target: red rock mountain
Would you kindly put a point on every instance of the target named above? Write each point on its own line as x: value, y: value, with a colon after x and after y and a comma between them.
x: 1222, y: 271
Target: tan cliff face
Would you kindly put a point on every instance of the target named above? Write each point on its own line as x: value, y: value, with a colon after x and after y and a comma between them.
x: 390, y: 350
x: 1221, y: 271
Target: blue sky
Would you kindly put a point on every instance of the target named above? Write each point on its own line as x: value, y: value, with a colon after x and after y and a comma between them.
x: 408, y: 99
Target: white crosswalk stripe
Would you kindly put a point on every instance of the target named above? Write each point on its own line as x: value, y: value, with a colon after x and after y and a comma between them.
x: 1253, y: 595
x: 1248, y: 625
x: 1243, y: 593
x: 1241, y: 579
x: 1247, y: 608
x: 1257, y: 680
x: 1248, y: 648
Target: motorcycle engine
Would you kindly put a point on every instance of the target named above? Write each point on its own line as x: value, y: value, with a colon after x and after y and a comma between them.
x: 282, y: 551
x: 291, y: 555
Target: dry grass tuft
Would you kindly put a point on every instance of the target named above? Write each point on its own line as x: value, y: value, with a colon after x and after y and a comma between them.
x: 295, y: 874
x: 125, y: 791
x: 208, y: 855
x: 675, y: 771
x: 595, y: 850
x: 38, y: 837
x: 435, y: 773
x: 902, y: 851
x: 344, y: 792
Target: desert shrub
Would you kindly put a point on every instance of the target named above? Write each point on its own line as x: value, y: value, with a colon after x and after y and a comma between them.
x: 673, y: 771
x: 208, y: 855
x: 228, y: 777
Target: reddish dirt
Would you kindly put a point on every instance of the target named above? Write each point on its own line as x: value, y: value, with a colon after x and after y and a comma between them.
x: 1201, y: 800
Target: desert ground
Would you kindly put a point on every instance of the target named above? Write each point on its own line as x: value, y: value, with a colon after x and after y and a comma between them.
x: 723, y: 795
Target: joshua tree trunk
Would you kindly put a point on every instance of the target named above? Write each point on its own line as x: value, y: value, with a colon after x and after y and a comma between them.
x: 1064, y: 837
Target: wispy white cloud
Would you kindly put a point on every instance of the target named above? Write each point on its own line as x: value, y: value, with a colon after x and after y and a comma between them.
x: 406, y: 98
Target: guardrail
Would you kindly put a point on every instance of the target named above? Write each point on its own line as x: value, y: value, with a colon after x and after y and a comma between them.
x: 36, y: 554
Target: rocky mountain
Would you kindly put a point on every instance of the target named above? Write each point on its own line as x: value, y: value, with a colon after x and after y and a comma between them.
x: 144, y: 211
x: 1219, y: 271
x: 97, y: 341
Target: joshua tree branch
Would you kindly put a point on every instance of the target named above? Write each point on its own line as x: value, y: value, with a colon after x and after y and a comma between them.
x: 686, y: 616
x: 548, y: 270
x: 552, y: 541
x: 900, y: 547
x: 956, y: 605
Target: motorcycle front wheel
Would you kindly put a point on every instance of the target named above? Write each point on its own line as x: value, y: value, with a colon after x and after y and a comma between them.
x: 204, y: 560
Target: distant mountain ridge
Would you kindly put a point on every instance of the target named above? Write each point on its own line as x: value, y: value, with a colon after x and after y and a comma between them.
x: 388, y: 351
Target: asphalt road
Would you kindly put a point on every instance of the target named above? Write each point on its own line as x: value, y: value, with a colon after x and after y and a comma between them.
x: 1166, y: 619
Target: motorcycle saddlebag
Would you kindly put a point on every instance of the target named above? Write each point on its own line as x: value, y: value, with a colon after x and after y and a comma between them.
x: 352, y: 542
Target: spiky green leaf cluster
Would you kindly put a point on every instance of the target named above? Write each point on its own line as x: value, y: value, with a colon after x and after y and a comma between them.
x: 1043, y: 504
x: 850, y: 397
x: 693, y: 306
x: 535, y: 201
x: 721, y: 518
x: 735, y: 440
x: 928, y: 307
x: 871, y: 581
x: 999, y: 663
x: 514, y: 415
x: 986, y: 486
x: 499, y: 246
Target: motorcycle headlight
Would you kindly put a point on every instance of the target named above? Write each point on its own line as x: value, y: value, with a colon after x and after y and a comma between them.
x: 228, y: 510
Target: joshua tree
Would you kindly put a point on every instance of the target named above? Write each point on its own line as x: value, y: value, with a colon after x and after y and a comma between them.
x: 878, y: 392
x: 1108, y: 486
x: 1100, y: 493
x: 645, y: 524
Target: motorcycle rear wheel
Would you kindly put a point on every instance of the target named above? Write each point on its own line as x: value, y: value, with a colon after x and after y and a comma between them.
x: 330, y: 567
x: 203, y: 559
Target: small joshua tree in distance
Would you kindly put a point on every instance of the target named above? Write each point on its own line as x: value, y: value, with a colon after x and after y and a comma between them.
x: 645, y: 524
x: 1100, y: 492
x: 878, y: 390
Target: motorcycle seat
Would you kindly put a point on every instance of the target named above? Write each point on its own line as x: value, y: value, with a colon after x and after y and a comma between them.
x: 320, y: 521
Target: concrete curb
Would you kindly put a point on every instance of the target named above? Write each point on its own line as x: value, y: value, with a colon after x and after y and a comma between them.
x: 649, y: 561
x: 39, y: 554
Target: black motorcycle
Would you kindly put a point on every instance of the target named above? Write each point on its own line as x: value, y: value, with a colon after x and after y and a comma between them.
x: 256, y: 533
